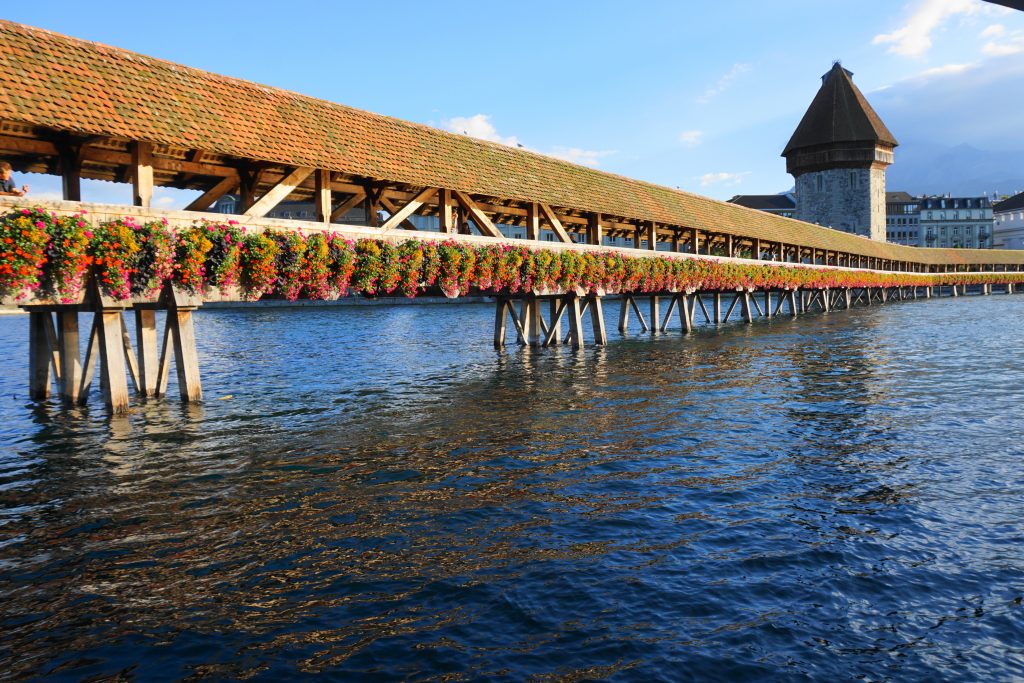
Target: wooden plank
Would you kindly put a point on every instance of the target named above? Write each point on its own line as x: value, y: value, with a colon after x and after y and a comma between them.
x: 398, y: 217
x: 554, y: 223
x: 651, y: 228
x: 644, y: 327
x: 480, y: 219
x: 223, y: 187
x: 624, y: 313
x: 672, y: 303
x: 278, y: 192
x: 322, y: 195
x: 655, y: 303
x: 142, y: 173
x: 703, y: 308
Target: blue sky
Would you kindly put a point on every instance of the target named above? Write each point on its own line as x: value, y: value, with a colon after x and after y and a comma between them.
x: 700, y: 96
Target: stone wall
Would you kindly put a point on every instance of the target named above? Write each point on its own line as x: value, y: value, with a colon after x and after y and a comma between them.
x: 847, y: 199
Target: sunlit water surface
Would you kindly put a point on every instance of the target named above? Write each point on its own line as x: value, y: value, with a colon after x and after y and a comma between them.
x: 375, y: 493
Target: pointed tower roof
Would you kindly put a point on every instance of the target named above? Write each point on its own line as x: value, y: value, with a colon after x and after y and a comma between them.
x: 839, y: 113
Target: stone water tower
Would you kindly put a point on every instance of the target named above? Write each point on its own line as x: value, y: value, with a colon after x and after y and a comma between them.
x: 838, y: 156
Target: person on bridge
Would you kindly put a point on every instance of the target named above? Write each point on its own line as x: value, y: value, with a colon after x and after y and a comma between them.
x: 7, y: 186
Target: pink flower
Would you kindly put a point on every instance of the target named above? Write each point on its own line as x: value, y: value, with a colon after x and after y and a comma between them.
x: 25, y: 212
x: 40, y: 224
x: 88, y: 234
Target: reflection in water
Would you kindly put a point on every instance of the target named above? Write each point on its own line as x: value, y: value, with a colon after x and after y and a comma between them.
x: 785, y: 500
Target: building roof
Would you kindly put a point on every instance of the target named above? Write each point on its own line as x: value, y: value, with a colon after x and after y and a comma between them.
x: 52, y: 85
x: 839, y: 113
x: 897, y: 197
x: 1012, y: 204
x: 765, y: 202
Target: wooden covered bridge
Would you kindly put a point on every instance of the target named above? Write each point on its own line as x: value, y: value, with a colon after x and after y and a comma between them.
x: 78, y: 110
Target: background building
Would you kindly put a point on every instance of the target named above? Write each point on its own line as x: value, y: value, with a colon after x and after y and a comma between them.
x: 902, y: 219
x: 964, y: 222
x: 838, y: 156
x: 783, y: 204
x: 1008, y: 223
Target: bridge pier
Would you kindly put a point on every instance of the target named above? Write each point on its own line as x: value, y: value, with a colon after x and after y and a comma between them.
x: 54, y: 353
x: 533, y: 330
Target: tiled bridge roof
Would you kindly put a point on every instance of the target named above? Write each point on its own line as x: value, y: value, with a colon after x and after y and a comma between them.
x: 55, y: 84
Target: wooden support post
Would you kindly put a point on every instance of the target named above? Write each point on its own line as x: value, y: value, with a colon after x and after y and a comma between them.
x: 597, y: 320
x: 113, y: 382
x: 322, y: 196
x: 826, y: 300
x: 555, y: 311
x: 636, y: 238
x: 70, y: 158
x: 575, y: 321
x: 70, y: 360
x: 675, y: 240
x: 793, y: 310
x: 651, y: 228
x: 747, y: 315
x: 142, y: 173
x: 145, y: 337
x: 38, y: 356
x: 718, y: 308
x: 89, y: 366
x: 624, y: 312
x: 728, y: 311
x: 595, y: 232
x: 372, y: 205
x: 186, y: 360
x: 703, y: 308
x: 694, y: 241
x: 686, y: 313
x: 729, y: 251
x: 532, y: 221
x: 655, y: 314
x: 756, y: 248
x: 500, y: 322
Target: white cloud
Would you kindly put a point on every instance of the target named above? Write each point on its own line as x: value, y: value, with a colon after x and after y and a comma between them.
x: 914, y: 39
x: 1010, y: 44
x: 945, y: 70
x: 723, y: 83
x: 993, y: 31
x: 691, y: 138
x: 480, y: 126
x: 722, y: 178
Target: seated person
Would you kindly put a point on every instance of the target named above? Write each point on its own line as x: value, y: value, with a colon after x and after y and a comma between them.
x: 7, y: 187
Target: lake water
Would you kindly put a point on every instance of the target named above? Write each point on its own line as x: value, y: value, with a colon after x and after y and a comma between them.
x: 373, y: 493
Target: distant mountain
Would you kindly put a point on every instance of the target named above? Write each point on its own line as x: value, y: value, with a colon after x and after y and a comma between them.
x: 929, y: 168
